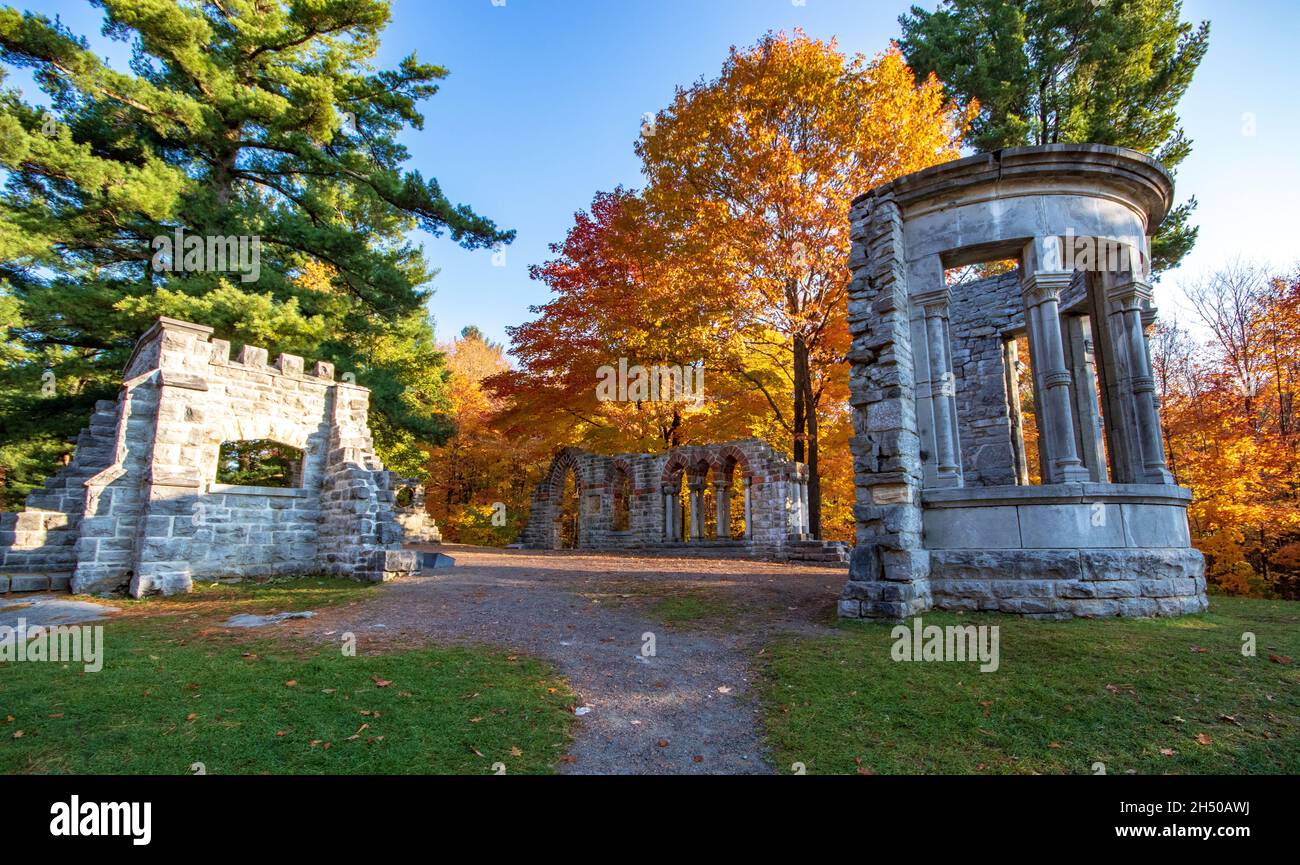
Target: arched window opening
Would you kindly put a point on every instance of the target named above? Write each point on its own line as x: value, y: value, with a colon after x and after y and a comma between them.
x: 734, y: 510
x: 622, y: 517
x: 570, y: 511
x: 682, y: 515
x: 259, y: 463
x: 405, y: 497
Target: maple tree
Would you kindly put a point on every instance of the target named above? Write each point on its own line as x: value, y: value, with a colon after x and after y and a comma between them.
x: 733, y: 257
x: 756, y: 170
x: 480, y: 465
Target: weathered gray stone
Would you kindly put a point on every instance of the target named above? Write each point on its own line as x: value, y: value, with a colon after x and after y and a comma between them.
x: 656, y: 501
x: 250, y: 620
x: 943, y: 503
x: 435, y: 561
x: 138, y: 505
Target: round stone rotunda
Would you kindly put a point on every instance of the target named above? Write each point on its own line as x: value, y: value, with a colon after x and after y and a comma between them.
x: 950, y: 511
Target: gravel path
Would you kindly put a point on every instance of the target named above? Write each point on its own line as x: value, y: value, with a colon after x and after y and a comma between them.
x: 686, y: 709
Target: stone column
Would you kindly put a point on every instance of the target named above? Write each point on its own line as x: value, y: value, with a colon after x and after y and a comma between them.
x: 749, y: 526
x: 695, y: 505
x: 935, y: 391
x: 667, y: 497
x: 1126, y: 299
x: 793, y: 519
x: 942, y: 393
x: 805, y: 526
x: 1087, y: 414
x: 723, y: 503
x: 1041, y: 289
x: 676, y: 496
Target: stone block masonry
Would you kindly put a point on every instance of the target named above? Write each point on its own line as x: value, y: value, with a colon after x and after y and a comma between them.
x: 946, y: 513
x: 661, y: 502
x: 138, y: 507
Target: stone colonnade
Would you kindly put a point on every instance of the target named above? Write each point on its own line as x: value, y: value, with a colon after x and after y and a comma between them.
x: 636, y: 500
x: 945, y: 512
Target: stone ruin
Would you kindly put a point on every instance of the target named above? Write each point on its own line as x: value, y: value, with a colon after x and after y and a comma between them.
x: 139, y: 508
x: 635, y: 502
x: 418, y: 527
x: 946, y: 516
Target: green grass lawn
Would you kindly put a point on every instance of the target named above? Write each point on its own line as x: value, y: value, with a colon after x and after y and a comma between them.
x: 1145, y: 696
x: 173, y: 693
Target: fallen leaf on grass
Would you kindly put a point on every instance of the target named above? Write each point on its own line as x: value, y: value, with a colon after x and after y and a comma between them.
x: 515, y: 752
x: 1054, y: 745
x: 292, y: 683
x: 381, y: 683
x: 56, y: 715
x: 403, y: 693
x: 1280, y: 659
x: 1203, y: 739
x: 357, y: 734
x: 328, y: 690
x: 18, y: 734
x: 191, y: 716
x: 1168, y: 752
x: 1200, y: 650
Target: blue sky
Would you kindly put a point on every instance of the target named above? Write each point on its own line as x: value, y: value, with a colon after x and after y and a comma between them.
x: 545, y: 100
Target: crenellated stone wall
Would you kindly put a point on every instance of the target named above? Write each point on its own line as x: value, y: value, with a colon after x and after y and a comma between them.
x: 139, y: 508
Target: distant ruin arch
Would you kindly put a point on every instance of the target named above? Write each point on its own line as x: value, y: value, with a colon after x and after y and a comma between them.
x: 773, y: 497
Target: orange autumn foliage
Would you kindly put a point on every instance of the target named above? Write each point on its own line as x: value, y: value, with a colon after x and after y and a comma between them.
x: 1228, y: 410
x: 734, y: 259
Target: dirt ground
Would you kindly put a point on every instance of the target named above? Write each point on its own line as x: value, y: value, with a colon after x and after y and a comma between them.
x: 684, y: 707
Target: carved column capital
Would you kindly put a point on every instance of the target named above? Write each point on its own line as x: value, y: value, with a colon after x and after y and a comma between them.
x: 1130, y: 294
x: 1042, y: 286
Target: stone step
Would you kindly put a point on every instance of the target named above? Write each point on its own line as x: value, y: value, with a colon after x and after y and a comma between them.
x: 43, y: 582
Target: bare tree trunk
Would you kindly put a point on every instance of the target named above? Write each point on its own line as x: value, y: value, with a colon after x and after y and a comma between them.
x: 814, y: 474
x: 805, y: 432
x: 800, y: 397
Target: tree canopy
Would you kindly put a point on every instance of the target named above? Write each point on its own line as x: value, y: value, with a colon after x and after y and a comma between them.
x: 265, y: 121
x: 1069, y: 71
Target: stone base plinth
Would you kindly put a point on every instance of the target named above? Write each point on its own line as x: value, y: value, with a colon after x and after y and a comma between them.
x: 1041, y: 584
x: 1060, y: 584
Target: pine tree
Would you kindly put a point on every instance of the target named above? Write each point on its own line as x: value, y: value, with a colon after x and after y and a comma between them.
x: 238, y: 119
x: 1069, y: 71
